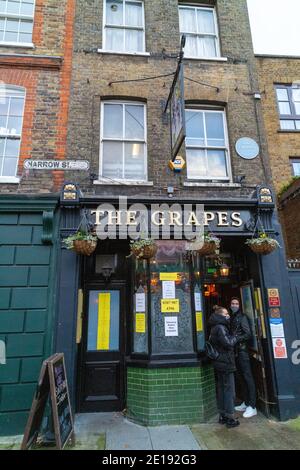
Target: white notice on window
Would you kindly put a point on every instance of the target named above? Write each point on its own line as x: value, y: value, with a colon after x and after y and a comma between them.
x: 171, y: 326
x: 198, y: 302
x: 168, y: 289
x: 140, y: 302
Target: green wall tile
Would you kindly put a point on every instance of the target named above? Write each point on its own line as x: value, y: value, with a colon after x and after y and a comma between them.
x: 15, y: 235
x: 13, y: 276
x: 7, y: 255
x: 30, y: 369
x: 37, y: 236
x: 8, y: 219
x: 39, y: 276
x: 9, y: 373
x: 31, y: 219
x: 29, y: 298
x: 36, y: 320
x: 12, y: 424
x: 22, y: 345
x: 17, y: 397
x: 4, y: 298
x: 12, y: 321
x: 33, y: 255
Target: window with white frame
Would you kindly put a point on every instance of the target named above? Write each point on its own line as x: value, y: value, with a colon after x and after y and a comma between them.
x: 124, y: 26
x: 123, y: 141
x: 16, y: 21
x: 207, y: 146
x: 295, y: 162
x: 199, y: 24
x: 288, y: 99
x: 11, y: 120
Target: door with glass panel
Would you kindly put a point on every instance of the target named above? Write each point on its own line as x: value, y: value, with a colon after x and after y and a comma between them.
x: 101, y: 368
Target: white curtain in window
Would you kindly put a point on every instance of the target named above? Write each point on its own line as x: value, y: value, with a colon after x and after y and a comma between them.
x: 114, y: 12
x: 134, y: 14
x: 187, y: 20
x: 206, y: 22
x: 207, y: 47
x: 133, y: 41
x: 114, y: 39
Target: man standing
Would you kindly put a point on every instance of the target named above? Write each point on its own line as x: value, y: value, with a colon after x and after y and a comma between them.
x: 240, y: 326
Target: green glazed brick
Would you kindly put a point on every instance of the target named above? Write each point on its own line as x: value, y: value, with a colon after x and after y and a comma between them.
x: 36, y: 320
x: 39, y: 276
x: 12, y: 321
x: 33, y: 255
x: 31, y: 219
x: 9, y: 373
x: 15, y: 235
x: 4, y: 298
x: 30, y: 369
x: 8, y: 219
x: 11, y: 276
x: 13, y: 424
x: 29, y: 298
x: 37, y: 236
x: 22, y: 345
x: 17, y: 397
x: 7, y: 255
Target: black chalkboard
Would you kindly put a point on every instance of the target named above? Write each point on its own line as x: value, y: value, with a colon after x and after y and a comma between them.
x: 53, y: 382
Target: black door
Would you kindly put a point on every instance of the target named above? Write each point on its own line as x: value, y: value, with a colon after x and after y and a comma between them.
x: 102, y: 359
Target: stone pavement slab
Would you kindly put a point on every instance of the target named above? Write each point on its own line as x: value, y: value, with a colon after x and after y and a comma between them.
x: 173, y: 438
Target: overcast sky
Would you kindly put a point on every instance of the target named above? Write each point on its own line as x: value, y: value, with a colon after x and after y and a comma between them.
x: 275, y: 26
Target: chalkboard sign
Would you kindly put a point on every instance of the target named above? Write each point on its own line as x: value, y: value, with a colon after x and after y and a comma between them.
x: 53, y: 382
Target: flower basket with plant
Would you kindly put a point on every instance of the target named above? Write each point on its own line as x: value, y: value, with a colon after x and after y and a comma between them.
x: 263, y: 244
x: 210, y: 246
x: 83, y: 243
x: 143, y: 248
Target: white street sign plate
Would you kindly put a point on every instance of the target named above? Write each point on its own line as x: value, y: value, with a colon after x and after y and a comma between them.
x: 62, y: 165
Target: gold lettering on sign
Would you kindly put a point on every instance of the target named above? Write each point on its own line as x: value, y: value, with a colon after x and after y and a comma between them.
x: 222, y: 219
x: 160, y: 221
x: 131, y: 218
x: 208, y: 217
x: 193, y: 220
x: 236, y: 219
x: 175, y: 219
x: 114, y: 216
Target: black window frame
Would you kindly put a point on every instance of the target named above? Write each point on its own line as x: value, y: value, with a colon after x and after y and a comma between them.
x: 287, y: 117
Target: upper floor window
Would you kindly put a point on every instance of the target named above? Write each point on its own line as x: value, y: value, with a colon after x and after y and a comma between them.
x: 295, y: 162
x: 123, y: 141
x: 199, y: 24
x: 207, y: 145
x: 288, y: 98
x: 11, y: 120
x: 124, y: 26
x: 16, y: 21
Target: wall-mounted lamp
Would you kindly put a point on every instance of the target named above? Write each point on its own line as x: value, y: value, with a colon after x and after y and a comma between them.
x: 224, y: 270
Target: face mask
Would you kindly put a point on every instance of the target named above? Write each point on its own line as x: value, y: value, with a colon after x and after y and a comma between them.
x: 235, y: 309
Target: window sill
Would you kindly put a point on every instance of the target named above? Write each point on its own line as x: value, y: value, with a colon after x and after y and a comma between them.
x: 104, y: 182
x: 190, y: 184
x: 18, y: 44
x: 208, y: 59
x: 288, y: 131
x: 9, y: 179
x: 134, y: 54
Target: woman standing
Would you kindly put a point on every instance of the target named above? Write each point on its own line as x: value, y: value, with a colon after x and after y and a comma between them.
x: 224, y: 365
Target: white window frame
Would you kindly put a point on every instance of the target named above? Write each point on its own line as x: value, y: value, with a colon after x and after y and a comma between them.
x: 123, y: 140
x: 196, y: 7
x: 13, y: 16
x: 206, y: 147
x: 124, y: 28
x: 10, y: 90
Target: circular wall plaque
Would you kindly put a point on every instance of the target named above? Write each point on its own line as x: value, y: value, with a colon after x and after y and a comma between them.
x: 247, y: 148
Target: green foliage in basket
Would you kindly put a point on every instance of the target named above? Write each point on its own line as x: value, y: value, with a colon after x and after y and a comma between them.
x: 86, y: 236
x: 261, y: 240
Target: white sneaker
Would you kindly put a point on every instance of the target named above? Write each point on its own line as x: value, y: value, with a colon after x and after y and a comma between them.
x: 250, y: 412
x: 241, y: 407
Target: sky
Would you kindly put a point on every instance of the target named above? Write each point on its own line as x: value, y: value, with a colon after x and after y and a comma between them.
x: 275, y: 26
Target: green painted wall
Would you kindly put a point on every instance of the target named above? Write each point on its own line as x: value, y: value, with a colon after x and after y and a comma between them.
x: 171, y: 396
x: 27, y: 299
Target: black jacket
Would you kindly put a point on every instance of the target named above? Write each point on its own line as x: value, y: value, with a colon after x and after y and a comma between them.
x: 223, y: 342
x: 240, y: 326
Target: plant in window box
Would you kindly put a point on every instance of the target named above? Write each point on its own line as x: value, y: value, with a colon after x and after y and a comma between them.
x: 82, y: 242
x: 263, y: 244
x: 210, y: 245
x: 144, y: 248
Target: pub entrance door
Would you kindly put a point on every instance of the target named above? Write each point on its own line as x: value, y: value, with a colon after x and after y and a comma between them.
x: 101, y: 378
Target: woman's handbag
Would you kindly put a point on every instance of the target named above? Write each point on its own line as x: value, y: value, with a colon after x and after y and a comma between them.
x: 211, y: 351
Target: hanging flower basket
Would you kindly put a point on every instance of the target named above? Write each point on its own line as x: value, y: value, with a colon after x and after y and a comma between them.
x: 83, y: 243
x: 263, y: 245
x: 143, y: 249
x: 210, y: 246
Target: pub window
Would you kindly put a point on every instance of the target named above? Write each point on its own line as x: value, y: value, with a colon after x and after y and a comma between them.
x: 295, y: 162
x: 124, y: 26
x: 207, y: 147
x: 16, y: 21
x: 11, y: 119
x: 288, y: 99
x: 123, y: 154
x: 199, y: 24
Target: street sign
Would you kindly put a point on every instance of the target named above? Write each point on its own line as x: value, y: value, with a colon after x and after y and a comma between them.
x: 62, y: 165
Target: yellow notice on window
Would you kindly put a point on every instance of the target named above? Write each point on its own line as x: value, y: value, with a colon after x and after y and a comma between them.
x: 140, y: 323
x: 199, y: 322
x: 169, y: 276
x: 103, y: 322
x: 170, y: 305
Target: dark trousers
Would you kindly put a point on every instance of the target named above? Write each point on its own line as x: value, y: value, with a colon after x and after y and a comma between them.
x: 226, y: 393
x: 247, y: 380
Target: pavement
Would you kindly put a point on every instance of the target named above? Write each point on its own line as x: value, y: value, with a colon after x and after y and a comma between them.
x: 112, y: 431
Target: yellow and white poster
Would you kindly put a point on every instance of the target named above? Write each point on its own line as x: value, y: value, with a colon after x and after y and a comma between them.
x: 170, y: 305
x: 103, y: 322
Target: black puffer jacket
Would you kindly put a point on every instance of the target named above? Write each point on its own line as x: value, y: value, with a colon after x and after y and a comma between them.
x: 223, y: 342
x: 240, y: 326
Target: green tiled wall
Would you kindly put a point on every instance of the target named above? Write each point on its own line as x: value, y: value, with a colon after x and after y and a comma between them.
x: 171, y: 396
x: 26, y: 312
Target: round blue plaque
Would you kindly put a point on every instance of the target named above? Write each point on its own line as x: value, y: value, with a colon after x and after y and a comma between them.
x: 247, y: 148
